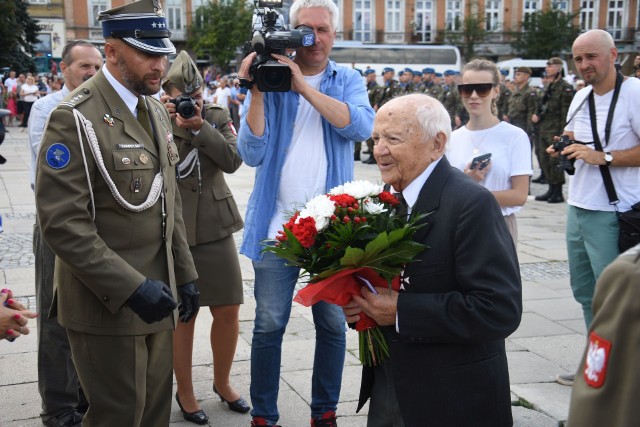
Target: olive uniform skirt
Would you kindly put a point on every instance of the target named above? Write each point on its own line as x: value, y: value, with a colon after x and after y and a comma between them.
x: 219, y: 277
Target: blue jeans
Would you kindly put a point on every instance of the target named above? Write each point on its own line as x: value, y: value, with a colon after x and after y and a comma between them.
x: 274, y: 286
x: 592, y: 244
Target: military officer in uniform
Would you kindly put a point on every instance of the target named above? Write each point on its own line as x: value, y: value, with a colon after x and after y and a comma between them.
x: 206, y: 140
x: 109, y: 208
x: 550, y: 118
x: 606, y: 389
x: 505, y: 93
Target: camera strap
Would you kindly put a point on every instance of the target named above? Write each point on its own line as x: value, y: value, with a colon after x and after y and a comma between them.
x: 604, y: 169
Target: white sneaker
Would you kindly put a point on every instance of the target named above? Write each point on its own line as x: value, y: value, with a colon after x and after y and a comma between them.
x: 565, y: 379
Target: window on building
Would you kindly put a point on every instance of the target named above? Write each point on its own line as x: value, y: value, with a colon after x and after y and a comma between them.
x: 362, y: 19
x: 393, y: 16
x: 530, y: 6
x: 173, y: 13
x: 454, y: 16
x: 615, y: 18
x: 560, y: 5
x: 423, y: 20
x: 338, y: 4
x: 95, y: 7
x: 493, y: 15
x: 38, y: 1
x: 588, y: 16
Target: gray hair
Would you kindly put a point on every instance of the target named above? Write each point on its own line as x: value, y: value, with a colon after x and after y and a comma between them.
x: 433, y: 118
x: 305, y: 4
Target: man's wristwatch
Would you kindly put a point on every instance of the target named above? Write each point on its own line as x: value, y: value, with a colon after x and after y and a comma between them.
x: 608, y: 158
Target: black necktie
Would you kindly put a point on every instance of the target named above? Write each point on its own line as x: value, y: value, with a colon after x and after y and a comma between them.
x: 403, y: 208
x: 143, y: 116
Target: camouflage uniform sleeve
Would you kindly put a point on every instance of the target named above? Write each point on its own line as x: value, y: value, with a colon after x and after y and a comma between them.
x: 566, y: 97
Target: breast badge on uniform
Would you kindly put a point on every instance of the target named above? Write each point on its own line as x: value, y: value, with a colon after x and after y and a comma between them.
x: 595, y: 366
x: 108, y: 119
x: 58, y: 156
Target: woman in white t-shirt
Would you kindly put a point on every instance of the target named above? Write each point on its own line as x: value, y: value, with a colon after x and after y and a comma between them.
x: 506, y: 173
x: 29, y: 93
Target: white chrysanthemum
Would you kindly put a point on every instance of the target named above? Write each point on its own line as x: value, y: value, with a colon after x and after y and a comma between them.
x: 320, y: 208
x: 373, y: 208
x: 358, y: 189
x: 337, y: 190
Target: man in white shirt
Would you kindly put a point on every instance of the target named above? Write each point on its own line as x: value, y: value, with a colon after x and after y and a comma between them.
x: 592, y: 225
x: 223, y: 94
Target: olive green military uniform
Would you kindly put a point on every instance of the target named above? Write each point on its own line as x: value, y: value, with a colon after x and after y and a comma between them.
x: 606, y: 390
x: 502, y: 104
x: 387, y: 93
x: 552, y: 111
x: 374, y: 90
x: 522, y: 104
x: 433, y: 90
x: 208, y: 208
x: 106, y: 250
x: 450, y: 98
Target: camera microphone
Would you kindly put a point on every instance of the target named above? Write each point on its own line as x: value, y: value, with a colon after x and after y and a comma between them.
x: 257, y: 41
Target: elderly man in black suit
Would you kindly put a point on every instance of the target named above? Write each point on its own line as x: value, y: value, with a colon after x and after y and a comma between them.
x: 461, y: 299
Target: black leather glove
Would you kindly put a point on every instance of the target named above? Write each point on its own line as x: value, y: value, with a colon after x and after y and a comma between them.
x: 189, y: 301
x: 152, y: 301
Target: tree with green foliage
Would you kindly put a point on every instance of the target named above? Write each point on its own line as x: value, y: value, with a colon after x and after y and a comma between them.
x: 219, y: 28
x: 18, y: 34
x: 545, y: 33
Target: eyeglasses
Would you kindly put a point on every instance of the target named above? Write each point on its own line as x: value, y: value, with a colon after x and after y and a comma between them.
x: 482, y: 89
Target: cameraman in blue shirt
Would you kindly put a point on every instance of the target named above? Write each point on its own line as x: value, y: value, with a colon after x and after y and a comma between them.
x: 301, y: 143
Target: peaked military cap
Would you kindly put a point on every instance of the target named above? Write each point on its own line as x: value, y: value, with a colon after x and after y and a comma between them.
x: 184, y: 74
x: 428, y: 70
x: 388, y: 70
x: 524, y: 70
x: 554, y: 61
x: 142, y: 25
x: 369, y: 71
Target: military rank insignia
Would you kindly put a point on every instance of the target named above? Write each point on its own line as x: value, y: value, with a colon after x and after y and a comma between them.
x: 58, y: 156
x: 108, y: 119
x: 595, y: 365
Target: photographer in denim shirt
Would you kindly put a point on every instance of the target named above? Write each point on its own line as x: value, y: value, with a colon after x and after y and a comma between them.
x: 301, y: 143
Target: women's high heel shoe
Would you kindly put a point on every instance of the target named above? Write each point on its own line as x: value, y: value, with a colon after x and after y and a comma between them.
x: 241, y: 406
x: 197, y: 417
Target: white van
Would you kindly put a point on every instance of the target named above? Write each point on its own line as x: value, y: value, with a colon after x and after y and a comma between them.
x: 537, y: 66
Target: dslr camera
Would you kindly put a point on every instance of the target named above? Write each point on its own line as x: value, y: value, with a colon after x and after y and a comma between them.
x: 270, y: 36
x: 565, y: 163
x: 185, y: 106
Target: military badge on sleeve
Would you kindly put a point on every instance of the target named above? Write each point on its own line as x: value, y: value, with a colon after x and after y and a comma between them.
x: 595, y: 365
x: 58, y: 156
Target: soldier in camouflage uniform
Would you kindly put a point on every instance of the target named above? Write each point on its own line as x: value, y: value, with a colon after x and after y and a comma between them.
x: 550, y: 117
x: 523, y: 102
x: 450, y: 97
x: 388, y: 88
x: 406, y: 83
x: 373, y: 90
x: 503, y: 100
x: 435, y: 89
x: 418, y: 85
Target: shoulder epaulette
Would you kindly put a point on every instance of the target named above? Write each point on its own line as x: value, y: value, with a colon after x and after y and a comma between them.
x: 77, y: 98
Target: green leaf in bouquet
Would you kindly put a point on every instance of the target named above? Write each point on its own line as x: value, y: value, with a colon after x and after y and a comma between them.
x: 377, y: 245
x: 352, y: 257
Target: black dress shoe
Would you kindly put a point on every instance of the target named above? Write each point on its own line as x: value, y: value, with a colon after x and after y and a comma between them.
x: 540, y: 180
x: 239, y: 405
x: 197, y: 417
x: 70, y: 419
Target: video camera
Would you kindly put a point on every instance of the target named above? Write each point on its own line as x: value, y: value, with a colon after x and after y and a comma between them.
x: 271, y: 36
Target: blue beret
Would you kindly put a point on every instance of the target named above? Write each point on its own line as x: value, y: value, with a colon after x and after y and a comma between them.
x: 428, y: 70
x: 388, y: 70
x: 369, y: 71
x: 438, y: 74
x: 401, y: 72
x: 449, y: 73
x: 142, y: 25
x: 408, y: 70
x: 417, y: 73
x: 504, y: 72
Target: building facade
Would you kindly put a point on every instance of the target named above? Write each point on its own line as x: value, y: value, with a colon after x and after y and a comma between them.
x: 374, y: 21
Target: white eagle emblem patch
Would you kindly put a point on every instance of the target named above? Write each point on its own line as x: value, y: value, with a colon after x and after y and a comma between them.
x: 595, y: 366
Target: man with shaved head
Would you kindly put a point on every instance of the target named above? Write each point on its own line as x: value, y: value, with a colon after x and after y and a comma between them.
x: 592, y: 224
x: 457, y: 304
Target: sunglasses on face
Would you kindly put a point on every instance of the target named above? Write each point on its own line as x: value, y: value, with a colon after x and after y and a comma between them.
x: 482, y: 89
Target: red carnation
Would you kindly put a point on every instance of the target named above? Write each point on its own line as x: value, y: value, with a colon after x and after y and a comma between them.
x: 387, y: 197
x: 343, y: 200
x: 305, y: 231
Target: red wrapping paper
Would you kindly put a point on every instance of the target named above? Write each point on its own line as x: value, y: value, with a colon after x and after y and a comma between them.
x: 340, y: 288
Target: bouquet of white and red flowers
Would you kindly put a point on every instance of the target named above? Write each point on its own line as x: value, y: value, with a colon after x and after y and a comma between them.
x: 352, y: 237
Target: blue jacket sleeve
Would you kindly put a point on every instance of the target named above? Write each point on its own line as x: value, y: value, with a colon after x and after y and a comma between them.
x: 252, y: 147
